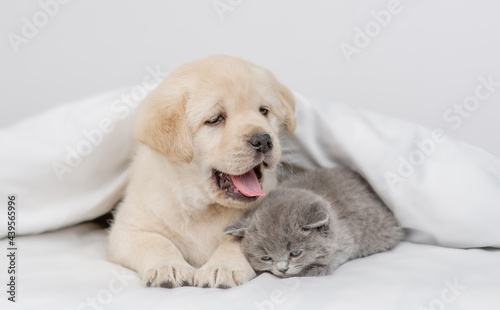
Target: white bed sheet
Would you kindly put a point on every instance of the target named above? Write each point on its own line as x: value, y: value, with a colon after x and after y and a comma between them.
x: 68, y: 269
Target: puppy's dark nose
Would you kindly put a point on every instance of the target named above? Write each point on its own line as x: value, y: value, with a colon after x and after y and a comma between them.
x: 261, y: 142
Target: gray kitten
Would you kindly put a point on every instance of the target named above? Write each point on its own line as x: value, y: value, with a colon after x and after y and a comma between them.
x: 313, y: 223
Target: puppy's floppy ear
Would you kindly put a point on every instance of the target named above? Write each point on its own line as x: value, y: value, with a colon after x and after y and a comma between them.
x: 239, y: 228
x: 162, y: 125
x: 288, y: 101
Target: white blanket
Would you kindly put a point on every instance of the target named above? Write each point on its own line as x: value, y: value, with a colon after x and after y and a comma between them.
x: 443, y: 191
x: 67, y: 165
x: 70, y: 165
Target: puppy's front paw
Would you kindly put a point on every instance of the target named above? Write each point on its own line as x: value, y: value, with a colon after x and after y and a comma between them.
x: 170, y: 275
x: 223, y: 274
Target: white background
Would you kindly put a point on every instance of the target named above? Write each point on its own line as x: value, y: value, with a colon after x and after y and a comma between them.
x: 428, y: 57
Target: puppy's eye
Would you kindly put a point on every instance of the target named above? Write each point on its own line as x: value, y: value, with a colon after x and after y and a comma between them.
x: 215, y: 120
x: 295, y: 253
x: 264, y: 111
x: 266, y: 258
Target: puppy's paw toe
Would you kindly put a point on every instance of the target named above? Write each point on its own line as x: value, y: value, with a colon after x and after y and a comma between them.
x: 243, y: 276
x: 170, y: 275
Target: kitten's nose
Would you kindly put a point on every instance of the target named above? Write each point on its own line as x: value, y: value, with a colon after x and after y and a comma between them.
x: 283, y: 271
x: 282, y: 267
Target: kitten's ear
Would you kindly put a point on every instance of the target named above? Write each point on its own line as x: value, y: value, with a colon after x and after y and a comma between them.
x: 239, y: 228
x: 317, y: 216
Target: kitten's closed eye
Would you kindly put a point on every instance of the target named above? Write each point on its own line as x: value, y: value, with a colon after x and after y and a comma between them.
x: 266, y: 258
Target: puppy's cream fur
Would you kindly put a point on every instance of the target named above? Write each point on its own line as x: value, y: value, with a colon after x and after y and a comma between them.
x: 169, y: 227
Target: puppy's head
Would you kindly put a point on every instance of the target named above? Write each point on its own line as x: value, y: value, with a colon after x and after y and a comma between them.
x: 220, y: 119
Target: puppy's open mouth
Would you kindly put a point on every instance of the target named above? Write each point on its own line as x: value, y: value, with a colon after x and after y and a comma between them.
x: 246, y: 187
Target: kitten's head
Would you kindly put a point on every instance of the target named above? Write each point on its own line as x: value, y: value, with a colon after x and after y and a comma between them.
x: 287, y: 233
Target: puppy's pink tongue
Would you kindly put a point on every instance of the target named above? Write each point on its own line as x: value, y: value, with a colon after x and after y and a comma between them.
x: 248, y: 184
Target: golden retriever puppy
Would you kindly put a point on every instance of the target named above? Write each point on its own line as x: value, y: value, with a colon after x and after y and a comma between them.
x: 208, y: 150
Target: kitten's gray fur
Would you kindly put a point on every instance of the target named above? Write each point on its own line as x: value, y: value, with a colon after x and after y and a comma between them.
x: 330, y: 215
